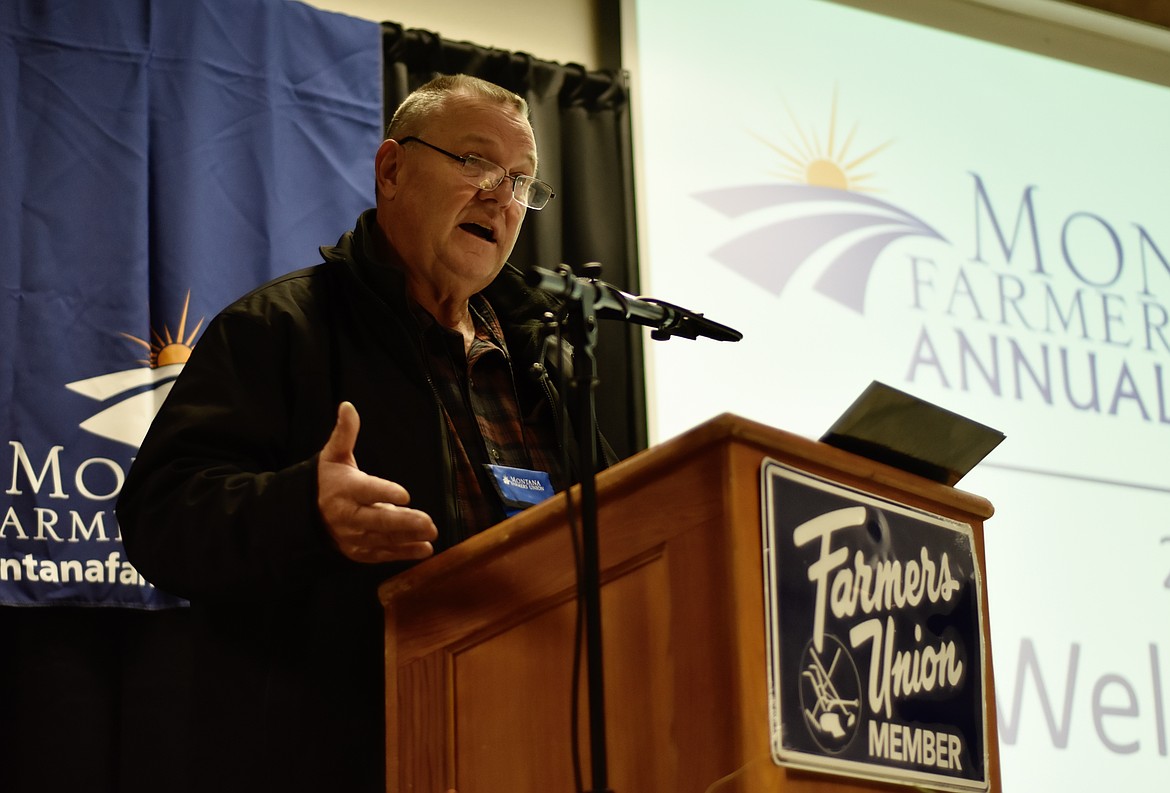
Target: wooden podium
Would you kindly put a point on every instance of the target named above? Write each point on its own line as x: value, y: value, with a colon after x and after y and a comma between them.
x: 480, y: 639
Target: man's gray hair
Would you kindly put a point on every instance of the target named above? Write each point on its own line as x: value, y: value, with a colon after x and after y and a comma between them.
x: 427, y: 100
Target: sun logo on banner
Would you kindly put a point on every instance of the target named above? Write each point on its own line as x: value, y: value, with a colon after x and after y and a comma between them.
x: 827, y: 212
x: 166, y: 349
x: 139, y: 391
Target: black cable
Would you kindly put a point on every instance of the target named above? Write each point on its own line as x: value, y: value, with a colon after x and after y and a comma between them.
x: 564, y: 431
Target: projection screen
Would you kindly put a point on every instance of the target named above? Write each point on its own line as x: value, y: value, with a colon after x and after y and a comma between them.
x: 915, y: 201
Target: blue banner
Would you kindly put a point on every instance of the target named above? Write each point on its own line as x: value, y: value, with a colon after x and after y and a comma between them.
x: 159, y: 159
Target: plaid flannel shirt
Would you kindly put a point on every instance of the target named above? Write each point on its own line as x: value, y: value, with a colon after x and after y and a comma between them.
x: 482, y: 410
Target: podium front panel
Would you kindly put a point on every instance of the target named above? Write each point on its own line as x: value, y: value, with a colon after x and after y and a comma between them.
x: 480, y: 640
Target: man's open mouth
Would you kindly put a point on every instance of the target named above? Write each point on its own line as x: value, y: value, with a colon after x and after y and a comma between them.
x: 483, y: 232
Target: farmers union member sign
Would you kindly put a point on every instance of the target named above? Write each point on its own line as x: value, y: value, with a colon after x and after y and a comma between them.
x: 875, y: 648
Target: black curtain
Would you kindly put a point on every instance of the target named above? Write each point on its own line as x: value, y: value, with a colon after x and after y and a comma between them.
x: 94, y: 699
x: 581, y: 120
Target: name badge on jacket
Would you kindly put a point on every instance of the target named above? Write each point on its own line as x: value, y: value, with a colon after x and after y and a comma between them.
x: 520, y: 488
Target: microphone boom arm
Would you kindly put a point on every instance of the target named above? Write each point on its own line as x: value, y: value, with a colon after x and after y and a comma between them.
x: 666, y: 319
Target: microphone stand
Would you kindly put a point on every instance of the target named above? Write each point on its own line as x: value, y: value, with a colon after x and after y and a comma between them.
x: 583, y: 336
x: 586, y: 299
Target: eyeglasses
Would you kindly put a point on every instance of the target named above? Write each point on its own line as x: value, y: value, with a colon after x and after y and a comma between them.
x: 527, y: 190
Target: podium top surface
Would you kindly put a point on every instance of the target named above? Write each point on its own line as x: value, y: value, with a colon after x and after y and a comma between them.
x: 724, y: 430
x: 778, y: 442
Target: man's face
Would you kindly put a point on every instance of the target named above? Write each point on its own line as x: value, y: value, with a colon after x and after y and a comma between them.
x: 453, y: 238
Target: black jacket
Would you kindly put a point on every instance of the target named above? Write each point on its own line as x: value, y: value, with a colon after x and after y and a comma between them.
x: 220, y: 508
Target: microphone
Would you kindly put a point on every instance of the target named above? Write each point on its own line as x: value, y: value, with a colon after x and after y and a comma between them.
x: 666, y: 319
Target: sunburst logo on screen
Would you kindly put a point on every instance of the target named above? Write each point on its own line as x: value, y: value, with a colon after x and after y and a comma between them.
x: 137, y: 393
x: 820, y: 208
x: 825, y: 160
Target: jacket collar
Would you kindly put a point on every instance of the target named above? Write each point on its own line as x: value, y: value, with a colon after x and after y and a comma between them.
x: 365, y: 252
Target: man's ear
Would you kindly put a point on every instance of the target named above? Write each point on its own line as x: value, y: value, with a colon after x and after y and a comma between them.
x: 386, y: 165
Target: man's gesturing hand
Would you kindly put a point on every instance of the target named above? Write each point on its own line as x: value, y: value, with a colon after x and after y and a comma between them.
x: 366, y: 516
